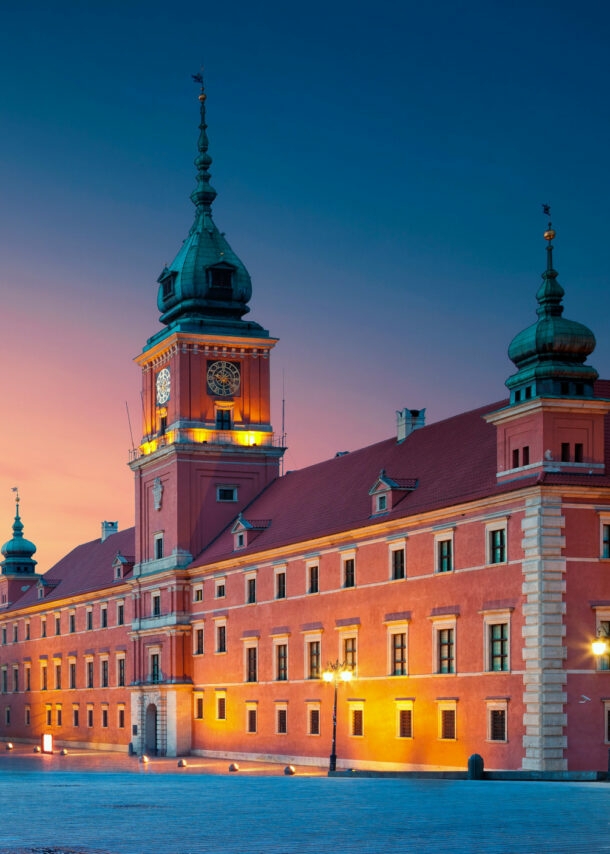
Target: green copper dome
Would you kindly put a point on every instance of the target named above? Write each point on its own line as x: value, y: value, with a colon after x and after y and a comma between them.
x: 206, y: 288
x: 18, y: 551
x: 550, y: 355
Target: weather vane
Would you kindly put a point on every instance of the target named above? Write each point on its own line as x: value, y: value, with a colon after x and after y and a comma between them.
x: 198, y: 78
x: 546, y: 210
x: 15, y: 489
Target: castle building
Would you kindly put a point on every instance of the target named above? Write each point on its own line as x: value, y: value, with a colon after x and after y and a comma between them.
x: 455, y: 574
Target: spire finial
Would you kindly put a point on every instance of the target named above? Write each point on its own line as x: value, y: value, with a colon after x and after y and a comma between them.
x: 549, y: 235
x: 15, y: 489
x: 204, y: 194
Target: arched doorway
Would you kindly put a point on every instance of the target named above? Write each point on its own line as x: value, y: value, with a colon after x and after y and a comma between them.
x: 151, y: 730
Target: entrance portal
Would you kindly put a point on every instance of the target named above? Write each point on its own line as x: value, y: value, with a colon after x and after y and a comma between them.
x: 151, y: 730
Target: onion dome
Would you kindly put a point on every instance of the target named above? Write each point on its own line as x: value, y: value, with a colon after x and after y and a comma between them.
x: 550, y: 355
x: 18, y: 551
x: 206, y: 288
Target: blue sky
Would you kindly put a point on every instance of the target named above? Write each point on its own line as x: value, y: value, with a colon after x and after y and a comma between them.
x: 380, y: 170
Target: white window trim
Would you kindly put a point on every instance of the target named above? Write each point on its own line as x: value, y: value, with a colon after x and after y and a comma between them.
x: 280, y: 640
x: 309, y: 565
x: 226, y: 500
x: 604, y: 519
x: 158, y: 537
x: 439, y: 624
x: 494, y: 618
x: 220, y: 695
x: 198, y: 695
x: 497, y: 705
x: 397, y: 628
x: 199, y: 624
x: 218, y: 623
x: 197, y: 588
x: 250, y: 576
x: 311, y: 637
x: 397, y: 546
x: 345, y: 556
x: 606, y: 715
x: 251, y: 706
x: 446, y: 706
x: 441, y: 537
x: 405, y: 706
x: 314, y: 706
x: 281, y: 569
x: 500, y: 524
x: 281, y: 707
x: 220, y: 582
x: 250, y: 643
x: 346, y: 633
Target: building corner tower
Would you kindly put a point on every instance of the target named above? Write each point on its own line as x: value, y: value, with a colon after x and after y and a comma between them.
x: 207, y: 449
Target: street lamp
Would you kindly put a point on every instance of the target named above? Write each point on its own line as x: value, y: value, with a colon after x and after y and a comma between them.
x: 601, y: 646
x: 336, y: 673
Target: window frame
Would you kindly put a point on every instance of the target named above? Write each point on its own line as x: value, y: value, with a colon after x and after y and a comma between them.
x: 441, y: 538
x: 497, y: 526
x: 439, y: 626
x: 406, y: 705
x: 348, y: 570
x: 312, y: 569
x: 497, y: 706
x: 443, y: 707
x: 490, y: 620
x: 397, y: 570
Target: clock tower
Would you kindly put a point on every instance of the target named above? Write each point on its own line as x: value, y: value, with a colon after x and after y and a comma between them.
x: 208, y: 447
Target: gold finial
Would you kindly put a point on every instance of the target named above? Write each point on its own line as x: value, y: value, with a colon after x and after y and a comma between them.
x: 549, y: 234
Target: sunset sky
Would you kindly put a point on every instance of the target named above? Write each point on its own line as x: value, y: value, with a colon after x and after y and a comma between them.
x: 380, y: 170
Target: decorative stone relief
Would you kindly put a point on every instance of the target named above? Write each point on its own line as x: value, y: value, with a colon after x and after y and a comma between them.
x: 157, y: 493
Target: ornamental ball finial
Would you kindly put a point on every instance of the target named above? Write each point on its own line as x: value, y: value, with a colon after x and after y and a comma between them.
x: 549, y: 234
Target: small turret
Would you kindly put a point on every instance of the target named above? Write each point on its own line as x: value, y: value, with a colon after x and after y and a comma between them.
x: 18, y: 551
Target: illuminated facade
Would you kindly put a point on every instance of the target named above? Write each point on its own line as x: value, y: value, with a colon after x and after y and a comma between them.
x: 458, y: 570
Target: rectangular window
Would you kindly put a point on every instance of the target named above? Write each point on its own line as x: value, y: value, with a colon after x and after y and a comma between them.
x: 75, y: 716
x: 156, y: 604
x: 43, y: 677
x: 398, y: 563
x: 16, y: 679
x: 4, y: 680
x: 280, y: 585
x: 220, y: 589
x: 251, y: 591
x: 221, y: 707
x: 251, y: 719
x: 221, y: 638
x: 606, y: 541
x: 155, y: 668
x: 43, y: 629
x: 198, y: 641
x: 15, y: 633
x: 158, y: 546
x: 515, y: 458
x: 498, y: 646
x: 199, y: 707
x: 281, y: 661
x: 49, y: 715
x: 526, y: 455
x: 447, y: 724
x: 282, y: 721
x: 357, y: 722
x: 28, y: 677
x: 90, y: 716
x: 120, y: 672
x: 58, y: 715
x: 105, y: 717
x: 120, y: 614
x: 405, y: 723
x: 28, y: 715
x: 398, y: 641
x: 58, y: 677
x: 444, y: 555
x: 603, y: 629
x: 89, y: 669
x: 226, y: 493
x: 314, y: 721
x: 223, y: 422
x: 104, y: 617
x: 27, y: 629
x: 198, y: 594
x: 72, y: 674
x: 446, y: 642
x: 497, y: 546
x: 57, y: 624
x: 104, y: 673
x: 313, y: 585
x: 72, y: 623
x: 313, y: 656
x: 565, y: 452
x: 349, y: 572
x: 89, y: 619
x: 350, y: 657
x: 251, y: 664
x: 497, y: 724
x: 121, y: 717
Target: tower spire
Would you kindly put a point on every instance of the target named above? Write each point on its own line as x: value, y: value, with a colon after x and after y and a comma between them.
x: 18, y: 551
x: 204, y: 194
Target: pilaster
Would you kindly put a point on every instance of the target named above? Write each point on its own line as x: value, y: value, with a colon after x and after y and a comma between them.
x: 544, y: 649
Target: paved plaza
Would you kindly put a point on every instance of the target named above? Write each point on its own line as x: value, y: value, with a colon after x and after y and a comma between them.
x: 115, y: 805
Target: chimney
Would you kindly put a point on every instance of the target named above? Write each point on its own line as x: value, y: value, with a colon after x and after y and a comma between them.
x: 109, y: 528
x: 408, y: 420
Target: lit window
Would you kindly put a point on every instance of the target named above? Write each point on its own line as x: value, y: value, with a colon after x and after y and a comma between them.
x: 350, y: 651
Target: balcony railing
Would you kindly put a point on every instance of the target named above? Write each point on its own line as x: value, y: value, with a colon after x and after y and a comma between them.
x: 238, y: 438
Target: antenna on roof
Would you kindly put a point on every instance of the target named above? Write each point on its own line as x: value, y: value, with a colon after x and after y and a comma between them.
x: 283, y: 419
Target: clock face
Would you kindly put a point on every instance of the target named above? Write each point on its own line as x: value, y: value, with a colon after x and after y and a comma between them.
x: 163, y: 386
x: 223, y: 378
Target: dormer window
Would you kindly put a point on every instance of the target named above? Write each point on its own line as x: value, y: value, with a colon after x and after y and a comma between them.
x: 240, y: 540
x: 220, y: 280
x: 167, y: 281
x: 382, y: 503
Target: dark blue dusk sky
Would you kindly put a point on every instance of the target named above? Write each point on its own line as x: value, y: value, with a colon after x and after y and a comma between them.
x: 380, y: 171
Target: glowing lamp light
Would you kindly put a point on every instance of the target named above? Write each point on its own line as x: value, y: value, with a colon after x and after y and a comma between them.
x: 47, y: 742
x: 599, y: 646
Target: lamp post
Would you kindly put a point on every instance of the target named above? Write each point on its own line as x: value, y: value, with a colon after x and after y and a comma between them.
x: 601, y: 646
x: 336, y: 672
